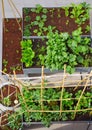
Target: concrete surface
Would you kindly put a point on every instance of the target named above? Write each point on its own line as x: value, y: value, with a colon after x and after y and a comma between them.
x: 62, y: 126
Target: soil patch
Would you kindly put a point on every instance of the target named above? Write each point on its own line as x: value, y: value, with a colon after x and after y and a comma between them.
x: 54, y: 17
x: 11, y: 46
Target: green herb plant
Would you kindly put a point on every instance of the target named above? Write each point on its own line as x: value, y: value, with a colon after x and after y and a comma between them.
x: 66, y: 9
x: 26, y: 11
x: 40, y: 19
x: 39, y: 9
x: 15, y: 120
x: 16, y: 68
x: 26, y: 31
x: 33, y: 100
x: 85, y: 101
x: 6, y: 101
x: 87, y: 29
x: 51, y: 102
x: 27, y: 52
x: 40, y: 22
x: 27, y: 19
x: 52, y: 12
x: 41, y: 55
x: 80, y: 12
x: 63, y: 48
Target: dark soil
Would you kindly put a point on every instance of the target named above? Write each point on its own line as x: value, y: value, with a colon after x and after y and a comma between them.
x: 37, y: 45
x: 12, y: 36
x: 55, y: 17
x: 83, y: 117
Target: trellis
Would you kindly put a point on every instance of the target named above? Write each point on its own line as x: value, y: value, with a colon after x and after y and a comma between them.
x: 58, y: 81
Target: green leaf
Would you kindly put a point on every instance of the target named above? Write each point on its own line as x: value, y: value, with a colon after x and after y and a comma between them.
x: 35, y: 31
x: 70, y: 69
x: 77, y: 32
x: 38, y: 18
x: 27, y: 52
x: 80, y: 59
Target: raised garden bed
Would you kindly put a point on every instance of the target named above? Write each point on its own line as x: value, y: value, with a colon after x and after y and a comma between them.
x: 40, y: 51
x: 68, y: 25
x: 32, y: 29
x: 37, y: 21
x: 11, y: 51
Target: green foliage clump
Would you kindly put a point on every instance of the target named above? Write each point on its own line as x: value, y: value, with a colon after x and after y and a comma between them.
x: 27, y: 52
x: 80, y: 12
x: 39, y: 9
x: 63, y: 48
x: 49, y: 104
x: 6, y: 101
x: 85, y: 102
x: 15, y: 120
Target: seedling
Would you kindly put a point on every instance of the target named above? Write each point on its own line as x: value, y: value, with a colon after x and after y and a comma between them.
x: 66, y: 8
x: 67, y: 22
x: 5, y: 62
x: 27, y: 30
x: 27, y: 19
x: 6, y: 101
x: 52, y: 12
x: 26, y: 11
x: 6, y: 30
x: 87, y: 29
x: 16, y: 68
x: 59, y: 15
